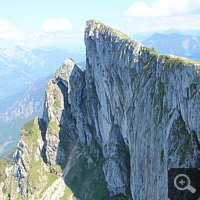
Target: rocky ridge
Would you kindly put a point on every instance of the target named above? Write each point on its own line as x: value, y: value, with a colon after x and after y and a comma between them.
x: 115, y: 128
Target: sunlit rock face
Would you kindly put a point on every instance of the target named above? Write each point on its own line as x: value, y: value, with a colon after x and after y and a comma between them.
x: 148, y: 111
x: 118, y: 126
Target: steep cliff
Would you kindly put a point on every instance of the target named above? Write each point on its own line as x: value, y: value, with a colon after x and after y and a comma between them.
x: 112, y: 131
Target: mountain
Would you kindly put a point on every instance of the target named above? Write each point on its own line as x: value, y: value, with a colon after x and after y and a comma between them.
x: 112, y: 131
x: 4, y: 163
x: 76, y: 50
x: 18, y: 109
x: 22, y: 66
x: 176, y: 44
x: 145, y: 35
x: 25, y: 103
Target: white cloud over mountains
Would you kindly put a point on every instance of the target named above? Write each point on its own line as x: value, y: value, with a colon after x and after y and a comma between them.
x: 140, y: 17
x: 35, y: 36
x: 56, y: 25
x: 163, y: 8
x: 4, y: 25
x: 55, y: 31
x: 9, y: 32
x: 161, y: 15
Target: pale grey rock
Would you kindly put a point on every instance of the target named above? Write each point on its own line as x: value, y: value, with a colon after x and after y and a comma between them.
x: 140, y: 108
x: 77, y: 100
x: 117, y: 163
x: 143, y: 103
x: 8, y: 170
x: 55, y: 191
x: 21, y: 159
x: 58, y: 110
x: 28, y: 151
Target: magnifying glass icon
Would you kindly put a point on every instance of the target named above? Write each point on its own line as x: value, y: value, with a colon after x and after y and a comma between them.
x: 187, y: 187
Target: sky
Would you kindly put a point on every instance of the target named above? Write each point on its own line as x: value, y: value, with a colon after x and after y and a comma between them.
x: 60, y: 23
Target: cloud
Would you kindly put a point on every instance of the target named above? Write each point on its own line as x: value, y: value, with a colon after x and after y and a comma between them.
x: 13, y: 35
x: 132, y: 26
x: 161, y: 15
x: 38, y: 34
x: 10, y: 35
x: 4, y: 25
x: 162, y: 8
x: 35, y: 36
x: 9, y: 32
x: 82, y: 29
x: 56, y: 25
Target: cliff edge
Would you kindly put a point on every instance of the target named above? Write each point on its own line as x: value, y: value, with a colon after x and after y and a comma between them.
x: 112, y: 131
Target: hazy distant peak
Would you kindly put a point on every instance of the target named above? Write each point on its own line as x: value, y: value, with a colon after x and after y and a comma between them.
x: 15, y: 51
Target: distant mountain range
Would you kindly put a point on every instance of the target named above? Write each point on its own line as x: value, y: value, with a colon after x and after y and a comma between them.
x: 18, y: 109
x: 176, y: 44
x: 145, y: 35
x: 24, y: 74
x: 113, y: 131
x: 21, y: 66
x: 21, y: 98
x: 76, y: 50
x: 26, y: 103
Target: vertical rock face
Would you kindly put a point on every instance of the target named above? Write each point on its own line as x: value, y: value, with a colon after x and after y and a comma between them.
x: 148, y: 107
x: 117, y: 127
x: 57, y: 113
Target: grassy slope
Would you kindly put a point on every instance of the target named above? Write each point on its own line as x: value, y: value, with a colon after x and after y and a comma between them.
x: 11, y: 132
x: 30, y: 133
x: 4, y: 162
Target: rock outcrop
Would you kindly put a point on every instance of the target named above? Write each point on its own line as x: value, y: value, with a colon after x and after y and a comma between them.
x: 152, y: 101
x: 30, y: 176
x: 116, y: 128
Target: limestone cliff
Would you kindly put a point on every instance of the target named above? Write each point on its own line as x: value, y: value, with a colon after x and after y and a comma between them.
x: 112, y: 131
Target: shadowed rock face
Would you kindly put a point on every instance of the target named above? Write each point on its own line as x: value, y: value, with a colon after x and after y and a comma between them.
x: 129, y: 117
